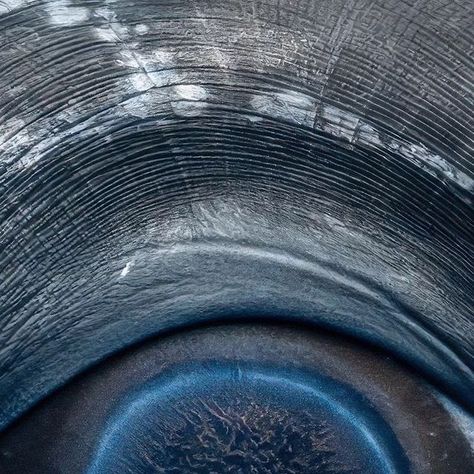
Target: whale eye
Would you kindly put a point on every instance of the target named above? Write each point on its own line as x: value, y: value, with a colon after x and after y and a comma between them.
x: 236, y: 236
x: 243, y: 397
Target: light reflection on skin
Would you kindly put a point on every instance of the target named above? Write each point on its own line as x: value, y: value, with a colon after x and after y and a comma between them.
x: 176, y: 163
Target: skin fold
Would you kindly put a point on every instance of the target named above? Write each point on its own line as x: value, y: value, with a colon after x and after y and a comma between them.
x: 167, y: 164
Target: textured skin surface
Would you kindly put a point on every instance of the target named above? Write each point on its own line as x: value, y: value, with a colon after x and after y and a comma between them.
x: 168, y: 162
x: 241, y: 438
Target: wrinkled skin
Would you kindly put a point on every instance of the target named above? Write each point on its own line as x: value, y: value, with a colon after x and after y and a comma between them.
x: 168, y: 163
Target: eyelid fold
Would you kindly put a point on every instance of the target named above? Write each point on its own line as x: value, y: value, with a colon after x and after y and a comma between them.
x: 169, y: 164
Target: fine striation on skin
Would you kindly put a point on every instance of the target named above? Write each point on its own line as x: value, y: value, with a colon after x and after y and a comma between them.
x: 168, y: 162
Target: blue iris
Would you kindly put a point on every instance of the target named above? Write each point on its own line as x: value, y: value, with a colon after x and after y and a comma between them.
x: 246, y: 418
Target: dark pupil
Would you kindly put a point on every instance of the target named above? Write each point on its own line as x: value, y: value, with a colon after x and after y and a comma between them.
x: 217, y: 434
x: 224, y: 420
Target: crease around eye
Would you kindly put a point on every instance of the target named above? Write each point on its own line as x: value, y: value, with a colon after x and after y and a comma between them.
x: 172, y: 166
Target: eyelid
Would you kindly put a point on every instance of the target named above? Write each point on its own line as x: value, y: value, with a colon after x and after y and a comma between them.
x: 288, y: 279
x: 147, y: 184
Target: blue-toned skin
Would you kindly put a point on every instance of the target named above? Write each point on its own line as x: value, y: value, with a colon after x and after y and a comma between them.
x: 168, y: 164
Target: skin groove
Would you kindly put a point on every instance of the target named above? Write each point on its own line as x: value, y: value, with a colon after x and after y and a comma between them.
x: 142, y: 142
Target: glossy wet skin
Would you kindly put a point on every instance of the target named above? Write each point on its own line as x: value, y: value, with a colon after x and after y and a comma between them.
x: 173, y: 163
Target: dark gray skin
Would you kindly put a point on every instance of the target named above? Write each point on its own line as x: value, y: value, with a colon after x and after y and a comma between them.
x: 173, y: 163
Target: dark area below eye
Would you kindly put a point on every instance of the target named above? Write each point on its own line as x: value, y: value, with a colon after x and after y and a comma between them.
x: 237, y: 398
